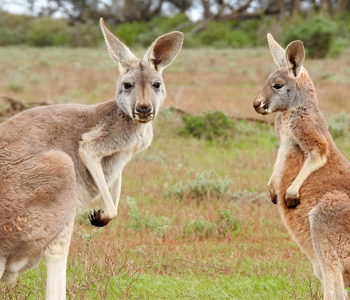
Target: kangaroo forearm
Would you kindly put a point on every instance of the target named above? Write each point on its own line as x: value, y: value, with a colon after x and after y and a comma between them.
x: 116, y: 189
x: 93, y: 164
x: 311, y: 164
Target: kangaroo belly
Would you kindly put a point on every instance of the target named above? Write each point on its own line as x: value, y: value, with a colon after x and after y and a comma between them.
x: 296, y: 219
x: 333, y: 176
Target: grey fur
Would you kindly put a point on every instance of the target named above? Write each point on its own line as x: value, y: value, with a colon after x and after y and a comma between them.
x: 56, y: 158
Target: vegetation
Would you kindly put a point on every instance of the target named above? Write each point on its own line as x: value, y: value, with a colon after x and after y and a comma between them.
x: 219, y: 236
x: 323, y: 34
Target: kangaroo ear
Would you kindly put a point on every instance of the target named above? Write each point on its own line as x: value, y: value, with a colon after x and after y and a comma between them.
x: 295, y: 55
x: 164, y: 50
x: 277, y: 51
x: 117, y: 50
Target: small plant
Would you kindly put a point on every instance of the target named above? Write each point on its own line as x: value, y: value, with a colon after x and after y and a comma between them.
x: 210, y: 125
x: 200, y: 228
x: 176, y: 190
x: 225, y: 224
x: 15, y: 87
x: 87, y: 237
x: 146, y: 221
x: 205, y: 185
x: 339, y: 125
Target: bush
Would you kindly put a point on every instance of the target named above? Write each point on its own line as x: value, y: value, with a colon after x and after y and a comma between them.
x: 128, y: 32
x: 215, y: 34
x: 230, y: 34
x: 146, y: 221
x: 13, y: 28
x: 209, y: 125
x: 84, y: 35
x: 205, y: 185
x: 166, y: 24
x: 317, y: 34
x: 339, y: 125
x: 200, y: 228
x: 144, y: 34
x: 224, y: 224
x: 48, y: 32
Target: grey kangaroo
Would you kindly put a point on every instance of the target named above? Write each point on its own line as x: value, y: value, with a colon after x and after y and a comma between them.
x: 56, y: 158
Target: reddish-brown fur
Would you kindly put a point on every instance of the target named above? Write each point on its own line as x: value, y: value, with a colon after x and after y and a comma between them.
x: 311, y: 178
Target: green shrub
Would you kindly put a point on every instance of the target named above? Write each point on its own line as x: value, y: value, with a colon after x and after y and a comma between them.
x: 209, y: 125
x: 146, y: 221
x: 8, y: 36
x: 200, y: 228
x: 224, y: 224
x: 48, y: 32
x: 230, y: 34
x: 215, y: 33
x: 84, y: 35
x: 317, y: 34
x: 339, y: 125
x: 166, y: 24
x: 128, y: 32
x: 13, y: 28
x: 205, y: 185
x: 338, y: 46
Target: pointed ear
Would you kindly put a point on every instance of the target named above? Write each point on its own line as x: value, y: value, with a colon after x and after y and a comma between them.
x: 295, y: 55
x: 277, y: 51
x: 117, y: 50
x: 164, y: 50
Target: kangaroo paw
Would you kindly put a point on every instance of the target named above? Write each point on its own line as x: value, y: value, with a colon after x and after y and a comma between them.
x: 292, y: 201
x: 98, y: 219
x: 273, y: 198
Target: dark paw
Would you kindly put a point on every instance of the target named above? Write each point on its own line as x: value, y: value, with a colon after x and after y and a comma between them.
x: 97, y: 218
x: 273, y: 199
x: 292, y: 202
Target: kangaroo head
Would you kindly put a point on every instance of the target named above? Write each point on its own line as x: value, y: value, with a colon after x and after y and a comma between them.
x: 281, y: 90
x: 140, y: 88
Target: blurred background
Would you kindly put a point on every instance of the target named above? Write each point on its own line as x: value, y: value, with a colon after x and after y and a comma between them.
x: 195, y: 220
x: 323, y: 25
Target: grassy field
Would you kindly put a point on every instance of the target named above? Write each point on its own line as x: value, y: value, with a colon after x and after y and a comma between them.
x: 194, y: 219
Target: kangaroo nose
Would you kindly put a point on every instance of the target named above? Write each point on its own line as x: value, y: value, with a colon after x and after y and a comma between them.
x: 144, y: 109
x: 256, y: 104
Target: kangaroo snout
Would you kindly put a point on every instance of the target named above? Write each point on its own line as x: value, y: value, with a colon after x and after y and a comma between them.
x: 144, y: 112
x: 256, y: 104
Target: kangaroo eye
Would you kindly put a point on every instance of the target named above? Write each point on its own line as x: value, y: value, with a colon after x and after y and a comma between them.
x: 156, y: 85
x: 277, y: 86
x: 127, y: 85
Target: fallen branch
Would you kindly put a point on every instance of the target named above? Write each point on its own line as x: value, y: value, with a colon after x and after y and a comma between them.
x: 180, y: 111
x: 17, y: 105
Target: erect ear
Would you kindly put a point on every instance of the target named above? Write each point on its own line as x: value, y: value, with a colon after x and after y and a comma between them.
x: 277, y: 51
x: 295, y: 55
x: 117, y: 50
x: 164, y: 50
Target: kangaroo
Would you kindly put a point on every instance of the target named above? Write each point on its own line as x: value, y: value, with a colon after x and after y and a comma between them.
x: 310, y: 179
x: 56, y: 158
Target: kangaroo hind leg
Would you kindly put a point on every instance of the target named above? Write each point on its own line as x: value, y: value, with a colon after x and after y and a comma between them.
x: 330, y: 233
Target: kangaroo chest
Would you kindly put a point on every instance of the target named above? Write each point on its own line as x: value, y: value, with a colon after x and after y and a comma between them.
x: 113, y: 164
x: 288, y: 151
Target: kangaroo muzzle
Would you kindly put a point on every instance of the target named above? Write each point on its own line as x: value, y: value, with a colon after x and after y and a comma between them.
x: 144, y: 113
